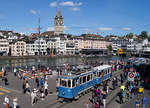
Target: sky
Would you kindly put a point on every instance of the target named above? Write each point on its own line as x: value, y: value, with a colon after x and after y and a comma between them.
x: 105, y: 17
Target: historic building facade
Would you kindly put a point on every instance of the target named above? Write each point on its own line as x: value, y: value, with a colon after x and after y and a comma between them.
x: 18, y: 48
x: 4, y: 46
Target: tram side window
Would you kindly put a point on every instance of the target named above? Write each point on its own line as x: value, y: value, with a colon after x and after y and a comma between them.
x: 74, y: 82
x: 69, y: 83
x: 104, y: 72
x: 81, y: 80
x: 60, y: 82
x: 64, y: 83
x: 88, y: 78
x: 84, y: 79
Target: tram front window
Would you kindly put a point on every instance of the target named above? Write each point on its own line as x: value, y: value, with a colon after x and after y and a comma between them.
x: 64, y: 83
x: 69, y: 83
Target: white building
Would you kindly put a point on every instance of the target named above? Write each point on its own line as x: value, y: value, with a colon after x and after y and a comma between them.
x: 37, y: 47
x: 18, y: 48
x: 30, y: 48
x: 131, y: 46
x: 4, y: 46
x: 146, y: 46
x: 69, y: 47
x: 52, y: 45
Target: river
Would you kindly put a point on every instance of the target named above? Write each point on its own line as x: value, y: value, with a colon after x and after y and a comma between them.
x: 47, y: 61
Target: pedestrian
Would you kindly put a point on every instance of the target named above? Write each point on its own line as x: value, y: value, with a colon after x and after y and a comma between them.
x: 131, y: 91
x: 121, y: 97
x: 27, y: 87
x: 15, y: 72
x: 6, y: 101
x: 42, y: 93
x: 24, y: 86
x: 137, y: 103
x: 114, y: 83
x: 32, y: 97
x: 15, y: 102
x: 144, y: 102
x: 46, y: 88
x: 41, y: 83
x: 104, y: 99
x: 5, y: 80
x: 37, y: 82
x: 107, y: 89
x: 97, y: 105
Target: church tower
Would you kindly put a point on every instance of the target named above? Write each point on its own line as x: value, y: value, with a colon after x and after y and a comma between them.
x: 58, y: 23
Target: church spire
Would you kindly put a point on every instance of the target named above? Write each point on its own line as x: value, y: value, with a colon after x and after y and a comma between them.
x: 58, y: 12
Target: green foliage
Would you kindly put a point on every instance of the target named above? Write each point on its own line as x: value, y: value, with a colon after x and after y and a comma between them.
x: 144, y: 35
x: 109, y: 48
x: 149, y: 38
x: 130, y: 35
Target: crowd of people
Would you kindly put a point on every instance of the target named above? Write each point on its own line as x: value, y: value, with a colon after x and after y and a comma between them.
x: 128, y: 89
x: 39, y: 91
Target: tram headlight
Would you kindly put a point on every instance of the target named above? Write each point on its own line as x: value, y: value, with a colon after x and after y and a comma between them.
x: 63, y: 93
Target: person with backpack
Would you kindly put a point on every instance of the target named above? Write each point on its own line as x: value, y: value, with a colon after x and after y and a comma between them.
x: 120, y: 97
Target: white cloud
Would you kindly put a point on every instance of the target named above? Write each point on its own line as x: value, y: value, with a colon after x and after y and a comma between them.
x: 70, y: 3
x: 126, y: 28
x: 65, y: 28
x: 75, y: 9
x: 104, y: 29
x: 50, y: 29
x: 53, y: 4
x: 33, y: 11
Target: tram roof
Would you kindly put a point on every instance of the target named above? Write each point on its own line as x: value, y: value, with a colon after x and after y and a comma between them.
x: 102, y: 67
x: 74, y: 74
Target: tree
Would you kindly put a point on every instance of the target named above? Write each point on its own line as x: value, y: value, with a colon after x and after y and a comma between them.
x: 109, y: 48
x: 144, y: 35
x: 149, y: 38
x: 130, y: 35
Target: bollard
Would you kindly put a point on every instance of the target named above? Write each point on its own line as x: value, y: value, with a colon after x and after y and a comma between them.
x: 87, y: 104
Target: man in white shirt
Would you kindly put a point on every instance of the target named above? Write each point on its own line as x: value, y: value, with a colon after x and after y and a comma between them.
x: 15, y: 102
x: 6, y: 101
x: 46, y: 88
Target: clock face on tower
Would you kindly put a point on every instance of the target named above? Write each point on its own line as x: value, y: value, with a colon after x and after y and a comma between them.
x: 59, y: 22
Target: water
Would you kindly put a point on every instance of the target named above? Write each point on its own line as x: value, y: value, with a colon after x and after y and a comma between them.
x: 47, y: 61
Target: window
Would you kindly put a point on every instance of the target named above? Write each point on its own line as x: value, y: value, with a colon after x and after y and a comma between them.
x: 98, y: 74
x: 88, y: 78
x: 84, y: 79
x: 63, y: 83
x: 81, y: 80
x: 69, y: 83
x: 74, y: 82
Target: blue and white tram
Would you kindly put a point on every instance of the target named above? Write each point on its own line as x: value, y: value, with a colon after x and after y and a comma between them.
x: 72, y: 85
x: 103, y: 73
